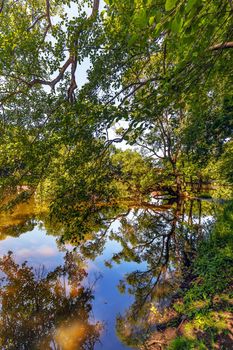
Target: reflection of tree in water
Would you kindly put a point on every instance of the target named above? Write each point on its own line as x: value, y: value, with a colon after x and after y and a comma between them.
x: 164, y: 237
x: 166, y: 241
x: 161, y: 235
x: 26, y: 225
x: 19, y: 219
x: 45, y: 311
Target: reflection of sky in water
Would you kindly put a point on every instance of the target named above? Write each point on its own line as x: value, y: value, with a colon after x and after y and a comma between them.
x: 36, y: 247
x: 109, y: 302
x: 39, y: 249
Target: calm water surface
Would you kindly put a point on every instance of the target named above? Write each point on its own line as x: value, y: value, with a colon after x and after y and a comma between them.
x: 98, y: 294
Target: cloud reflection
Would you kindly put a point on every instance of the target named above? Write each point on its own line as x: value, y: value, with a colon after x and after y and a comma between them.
x: 42, y: 251
x: 72, y: 335
x: 46, y: 251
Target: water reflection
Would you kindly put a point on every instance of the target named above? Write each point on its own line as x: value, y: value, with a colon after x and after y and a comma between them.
x: 42, y: 310
x: 148, y: 246
x: 23, y: 218
x: 166, y: 241
x: 161, y: 238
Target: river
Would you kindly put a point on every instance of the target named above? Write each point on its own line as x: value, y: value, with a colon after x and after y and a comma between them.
x: 100, y: 293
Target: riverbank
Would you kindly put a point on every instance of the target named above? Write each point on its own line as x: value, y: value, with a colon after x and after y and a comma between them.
x: 200, y: 316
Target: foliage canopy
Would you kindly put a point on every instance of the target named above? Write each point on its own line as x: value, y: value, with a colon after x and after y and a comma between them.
x: 164, y: 68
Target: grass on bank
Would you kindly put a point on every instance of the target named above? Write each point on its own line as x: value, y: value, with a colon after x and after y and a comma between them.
x: 206, y: 307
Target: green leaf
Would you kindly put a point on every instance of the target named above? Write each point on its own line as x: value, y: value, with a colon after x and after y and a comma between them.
x: 133, y: 38
x: 190, y: 5
x: 176, y: 25
x: 170, y: 4
x: 158, y: 28
x: 151, y: 20
x: 141, y: 18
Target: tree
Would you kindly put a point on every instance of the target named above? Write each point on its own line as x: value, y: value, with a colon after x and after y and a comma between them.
x: 37, y: 49
x: 154, y: 64
x: 161, y: 82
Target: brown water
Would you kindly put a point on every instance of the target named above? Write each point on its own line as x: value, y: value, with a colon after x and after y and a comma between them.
x: 100, y: 293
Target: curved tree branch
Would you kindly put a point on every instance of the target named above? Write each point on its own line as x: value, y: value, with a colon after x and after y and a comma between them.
x: 36, y: 21
x: 53, y: 82
x: 70, y: 61
x: 73, y: 84
x: 221, y: 46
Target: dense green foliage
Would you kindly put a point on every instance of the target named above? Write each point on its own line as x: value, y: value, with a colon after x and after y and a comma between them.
x: 160, y: 74
x: 163, y: 67
x: 207, y: 304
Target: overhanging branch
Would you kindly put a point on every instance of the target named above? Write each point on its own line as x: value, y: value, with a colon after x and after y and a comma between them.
x: 53, y: 82
x: 70, y: 61
x: 221, y: 46
x: 36, y: 21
